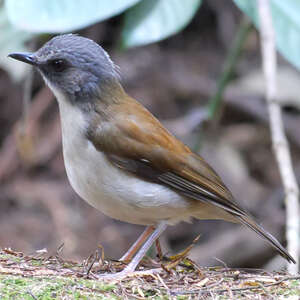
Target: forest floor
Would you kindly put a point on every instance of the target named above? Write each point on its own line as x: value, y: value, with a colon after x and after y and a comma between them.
x: 176, y: 80
x: 45, y: 277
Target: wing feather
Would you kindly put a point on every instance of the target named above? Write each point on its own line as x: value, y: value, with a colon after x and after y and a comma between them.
x: 137, y: 143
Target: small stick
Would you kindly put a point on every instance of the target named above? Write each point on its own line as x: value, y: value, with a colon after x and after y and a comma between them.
x: 279, y: 140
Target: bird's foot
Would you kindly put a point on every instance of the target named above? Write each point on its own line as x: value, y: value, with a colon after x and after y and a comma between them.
x: 178, y: 258
x: 127, y: 273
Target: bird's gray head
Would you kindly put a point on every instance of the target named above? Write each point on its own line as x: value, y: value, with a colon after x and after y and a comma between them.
x: 72, y: 65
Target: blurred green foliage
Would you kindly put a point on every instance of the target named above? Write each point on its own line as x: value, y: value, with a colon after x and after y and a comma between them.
x: 145, y: 21
x: 153, y: 20
x: 58, y: 16
x: 286, y: 21
x: 12, y: 39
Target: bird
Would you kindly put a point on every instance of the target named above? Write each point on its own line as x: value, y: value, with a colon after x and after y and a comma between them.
x: 119, y: 158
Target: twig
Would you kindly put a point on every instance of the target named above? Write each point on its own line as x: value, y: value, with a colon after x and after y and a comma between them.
x: 94, y: 258
x: 162, y: 282
x: 27, y: 96
x: 8, y: 154
x: 279, y: 140
x: 214, y: 103
x: 30, y: 293
x: 221, y: 291
x: 24, y: 140
x: 230, y: 62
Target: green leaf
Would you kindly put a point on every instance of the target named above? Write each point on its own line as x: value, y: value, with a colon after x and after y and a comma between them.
x: 286, y: 21
x: 56, y: 16
x: 12, y: 40
x: 153, y: 20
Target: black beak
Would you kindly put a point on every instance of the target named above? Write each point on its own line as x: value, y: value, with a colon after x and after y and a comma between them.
x: 24, y: 57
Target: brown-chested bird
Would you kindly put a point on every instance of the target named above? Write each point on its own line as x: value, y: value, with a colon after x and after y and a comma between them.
x: 118, y: 156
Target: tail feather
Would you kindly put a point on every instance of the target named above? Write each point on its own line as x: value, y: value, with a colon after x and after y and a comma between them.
x: 266, y: 235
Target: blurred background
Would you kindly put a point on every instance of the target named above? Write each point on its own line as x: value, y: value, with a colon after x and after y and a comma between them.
x: 182, y: 81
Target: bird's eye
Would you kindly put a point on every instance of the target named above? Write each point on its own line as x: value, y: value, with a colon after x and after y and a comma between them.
x: 58, y: 65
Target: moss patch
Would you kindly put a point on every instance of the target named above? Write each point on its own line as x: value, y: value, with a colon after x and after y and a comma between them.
x: 47, y: 278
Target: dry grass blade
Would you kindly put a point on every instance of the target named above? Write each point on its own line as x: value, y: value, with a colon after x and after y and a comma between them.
x: 279, y: 140
x: 183, y: 281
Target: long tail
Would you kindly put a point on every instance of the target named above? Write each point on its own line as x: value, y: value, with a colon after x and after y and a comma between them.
x: 267, y: 236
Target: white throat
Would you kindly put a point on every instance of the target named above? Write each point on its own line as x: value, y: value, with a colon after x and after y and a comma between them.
x: 106, y: 187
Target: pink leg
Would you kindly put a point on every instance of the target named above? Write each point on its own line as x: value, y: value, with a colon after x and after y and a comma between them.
x: 158, y: 249
x: 139, y: 242
x: 140, y: 254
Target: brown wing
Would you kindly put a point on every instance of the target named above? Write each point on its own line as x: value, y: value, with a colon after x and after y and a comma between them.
x: 135, y: 141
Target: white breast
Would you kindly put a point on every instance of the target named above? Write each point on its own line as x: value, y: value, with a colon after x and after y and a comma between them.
x: 106, y: 187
